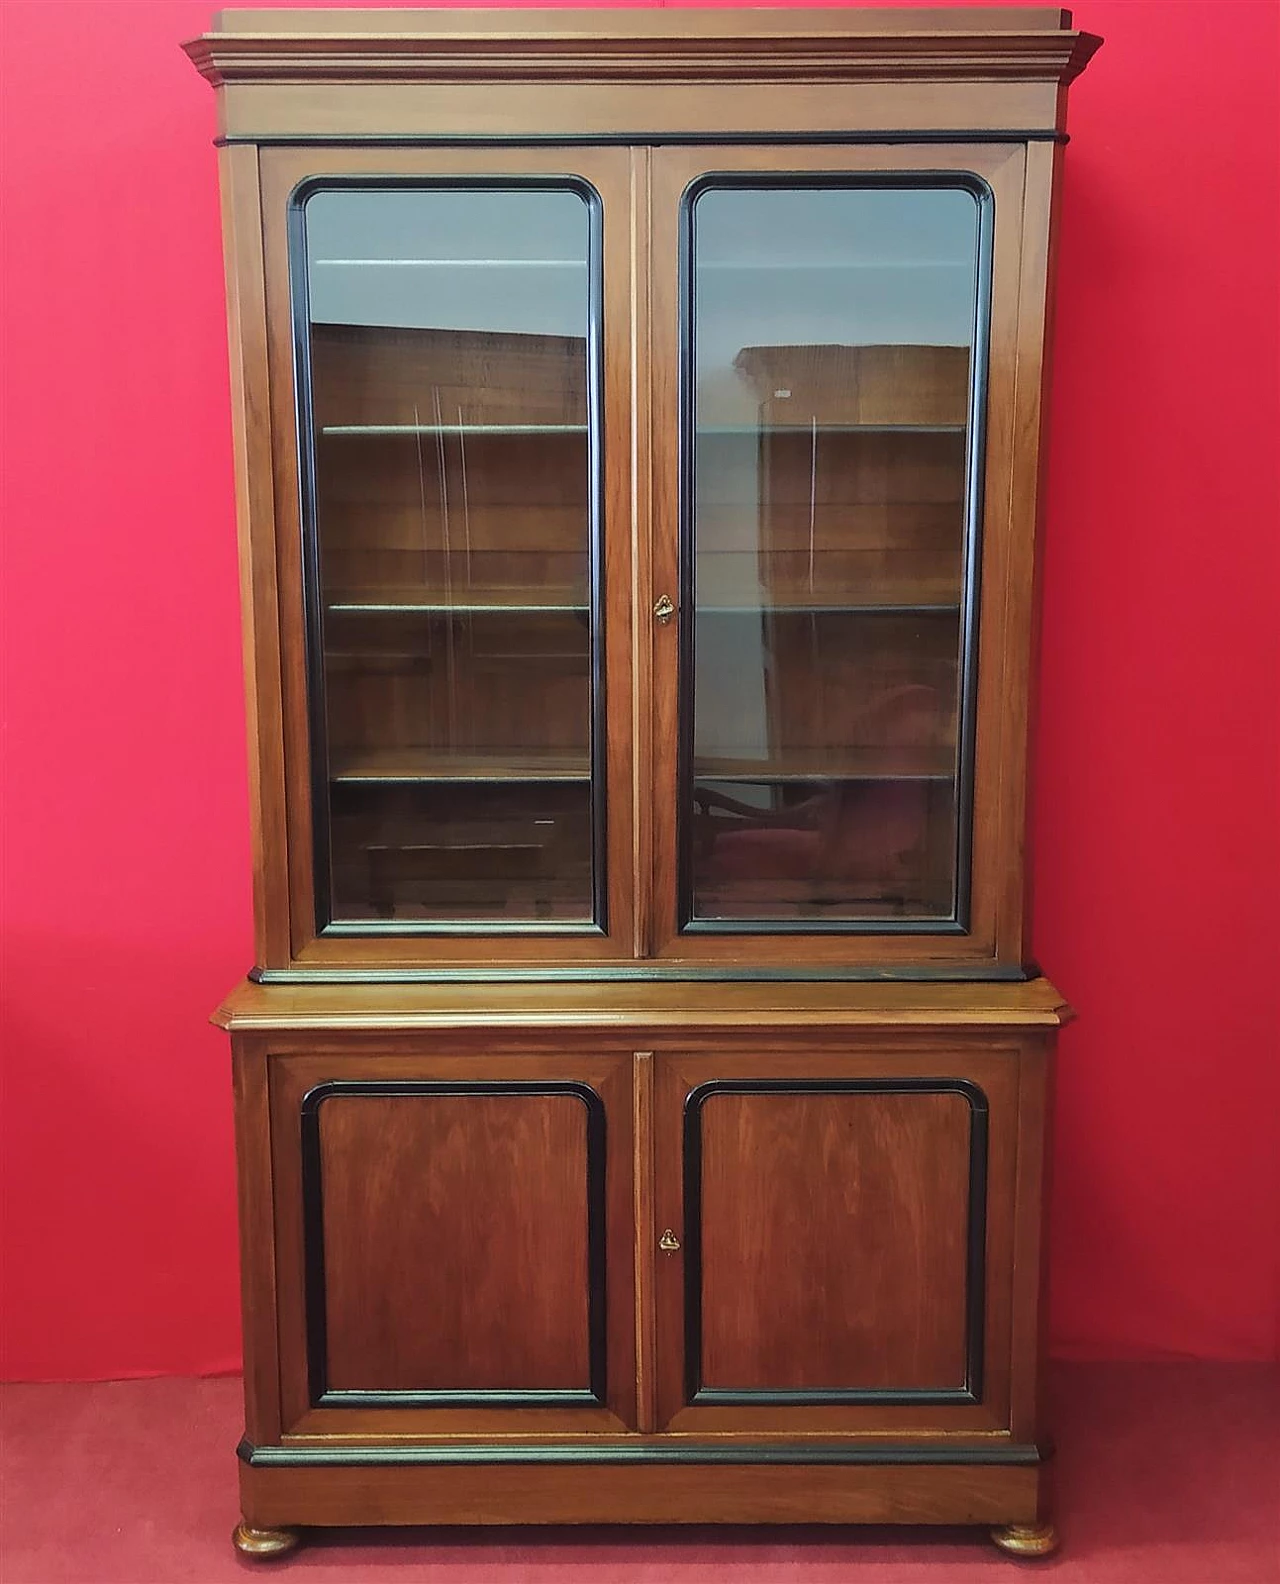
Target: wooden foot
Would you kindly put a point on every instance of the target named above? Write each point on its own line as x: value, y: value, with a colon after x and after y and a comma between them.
x: 1026, y: 1540
x: 263, y: 1543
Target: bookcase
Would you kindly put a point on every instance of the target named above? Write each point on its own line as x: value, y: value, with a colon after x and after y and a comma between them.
x: 642, y: 1088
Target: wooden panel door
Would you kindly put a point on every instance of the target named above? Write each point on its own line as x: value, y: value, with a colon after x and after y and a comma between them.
x: 453, y: 1243
x: 833, y: 1239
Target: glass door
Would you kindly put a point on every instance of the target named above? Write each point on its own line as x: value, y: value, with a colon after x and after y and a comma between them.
x: 449, y: 366
x: 452, y: 387
x: 833, y: 371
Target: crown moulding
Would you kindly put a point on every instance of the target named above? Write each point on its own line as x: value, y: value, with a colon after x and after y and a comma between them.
x: 1039, y: 56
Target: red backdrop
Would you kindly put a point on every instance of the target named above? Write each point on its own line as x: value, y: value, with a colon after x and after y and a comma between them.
x: 127, y: 858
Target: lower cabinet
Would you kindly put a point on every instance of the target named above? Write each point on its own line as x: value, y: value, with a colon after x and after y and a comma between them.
x: 566, y: 1279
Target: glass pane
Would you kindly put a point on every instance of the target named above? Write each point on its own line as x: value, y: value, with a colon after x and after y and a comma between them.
x: 833, y: 339
x: 452, y: 495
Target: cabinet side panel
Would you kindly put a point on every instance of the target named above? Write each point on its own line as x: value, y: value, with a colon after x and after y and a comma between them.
x: 255, y: 516
x: 257, y: 1240
x: 1029, y: 1335
x: 1022, y: 611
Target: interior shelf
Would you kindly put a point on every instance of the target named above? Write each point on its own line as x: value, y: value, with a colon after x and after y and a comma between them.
x: 806, y: 426
x: 375, y: 598
x: 834, y: 607
x: 741, y: 580
x: 831, y: 764
x: 445, y: 764
x: 454, y: 429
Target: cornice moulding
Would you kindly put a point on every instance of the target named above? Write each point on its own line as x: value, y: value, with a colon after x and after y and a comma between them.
x: 1039, y: 56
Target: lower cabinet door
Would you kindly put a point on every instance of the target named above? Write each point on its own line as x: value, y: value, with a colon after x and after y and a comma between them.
x: 453, y: 1243
x: 844, y: 1232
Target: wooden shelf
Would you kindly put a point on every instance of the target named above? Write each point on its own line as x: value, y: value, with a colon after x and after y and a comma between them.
x: 832, y: 764
x: 853, y: 580
x: 454, y: 765
x: 353, y: 430
x: 808, y: 427
x: 826, y: 608
x: 375, y: 599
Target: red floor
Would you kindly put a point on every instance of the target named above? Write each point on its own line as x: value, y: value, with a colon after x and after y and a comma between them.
x: 1168, y: 1474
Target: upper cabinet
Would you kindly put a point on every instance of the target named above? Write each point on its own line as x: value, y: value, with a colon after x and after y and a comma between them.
x: 638, y: 430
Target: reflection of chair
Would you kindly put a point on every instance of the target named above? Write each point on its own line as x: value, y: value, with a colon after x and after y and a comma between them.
x: 868, y: 834
x: 736, y: 840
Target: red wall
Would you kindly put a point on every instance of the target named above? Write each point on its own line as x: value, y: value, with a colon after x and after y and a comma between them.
x: 127, y: 857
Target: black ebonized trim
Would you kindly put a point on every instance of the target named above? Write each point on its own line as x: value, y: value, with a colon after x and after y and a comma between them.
x: 826, y: 1397
x: 975, y: 442
x: 325, y: 924
x: 817, y: 926
x: 652, y: 973
x: 364, y: 929
x: 864, y: 1454
x: 630, y: 139
x: 975, y: 1294
x: 313, y: 1249
x: 458, y: 1399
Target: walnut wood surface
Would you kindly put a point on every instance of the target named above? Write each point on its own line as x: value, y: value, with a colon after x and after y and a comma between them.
x: 840, y: 1219
x: 455, y: 1242
x: 255, y: 518
x: 706, y: 47
x: 624, y: 1006
x: 639, y: 23
x: 583, y: 1493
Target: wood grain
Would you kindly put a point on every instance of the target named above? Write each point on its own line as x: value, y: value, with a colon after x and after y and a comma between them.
x: 255, y: 519
x: 255, y: 1198
x: 625, y: 1006
x: 455, y: 1242
x: 834, y: 1234
x: 644, y: 1249
x: 582, y: 1493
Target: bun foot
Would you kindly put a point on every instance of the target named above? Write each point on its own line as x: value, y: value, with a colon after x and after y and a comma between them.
x: 263, y: 1543
x: 1026, y: 1540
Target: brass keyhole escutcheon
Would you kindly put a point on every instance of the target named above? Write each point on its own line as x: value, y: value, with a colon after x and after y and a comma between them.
x: 664, y: 610
x: 668, y: 1242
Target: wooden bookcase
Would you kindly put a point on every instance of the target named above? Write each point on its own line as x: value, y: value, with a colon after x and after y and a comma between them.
x: 642, y: 1088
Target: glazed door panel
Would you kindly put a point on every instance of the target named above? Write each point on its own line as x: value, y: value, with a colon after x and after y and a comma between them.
x: 453, y: 1245
x: 835, y: 341
x: 843, y: 1252
x: 451, y: 373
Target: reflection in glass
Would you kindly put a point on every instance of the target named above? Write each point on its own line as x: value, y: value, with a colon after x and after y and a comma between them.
x: 833, y: 337
x: 451, y: 400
